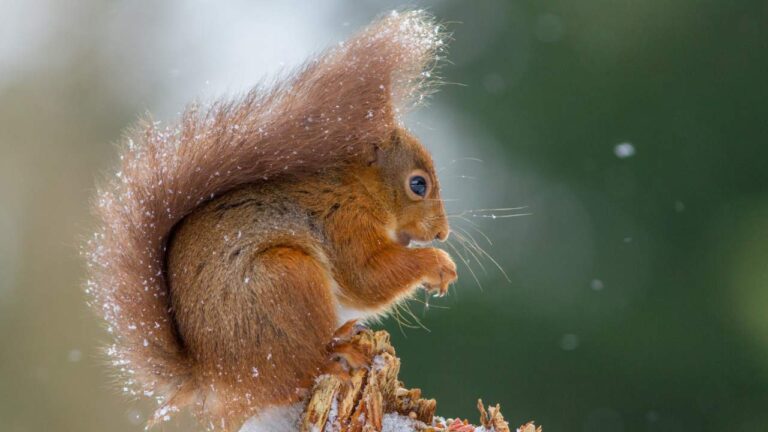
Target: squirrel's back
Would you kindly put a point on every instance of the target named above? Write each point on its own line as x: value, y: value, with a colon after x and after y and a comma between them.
x: 333, y: 111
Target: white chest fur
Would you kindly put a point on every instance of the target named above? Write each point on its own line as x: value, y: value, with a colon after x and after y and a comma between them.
x: 345, y: 314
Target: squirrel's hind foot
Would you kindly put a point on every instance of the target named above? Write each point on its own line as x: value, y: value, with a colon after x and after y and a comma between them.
x: 345, y: 355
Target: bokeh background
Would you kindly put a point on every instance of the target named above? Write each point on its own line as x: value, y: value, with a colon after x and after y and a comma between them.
x: 633, y: 133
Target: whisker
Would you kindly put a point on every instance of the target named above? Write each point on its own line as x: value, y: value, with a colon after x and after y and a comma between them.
x: 442, y: 199
x: 461, y: 176
x: 480, y: 212
x: 483, y: 252
x: 464, y: 260
x: 462, y: 236
x: 401, y: 321
x: 453, y: 162
x: 464, y: 216
x: 426, y: 303
x: 496, y: 264
x: 464, y: 239
x: 494, y: 216
x: 396, y: 316
x: 475, y: 227
x: 499, y: 209
x: 464, y: 242
x: 408, y: 310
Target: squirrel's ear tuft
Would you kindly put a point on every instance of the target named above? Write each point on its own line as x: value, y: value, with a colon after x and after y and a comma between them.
x: 363, y: 85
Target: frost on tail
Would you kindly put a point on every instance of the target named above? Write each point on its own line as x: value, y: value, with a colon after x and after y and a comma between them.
x: 333, y: 110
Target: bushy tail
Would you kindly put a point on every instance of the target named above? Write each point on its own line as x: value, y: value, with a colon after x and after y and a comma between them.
x: 332, y: 110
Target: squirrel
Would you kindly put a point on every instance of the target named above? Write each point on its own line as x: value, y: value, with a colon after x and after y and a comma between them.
x: 233, y: 245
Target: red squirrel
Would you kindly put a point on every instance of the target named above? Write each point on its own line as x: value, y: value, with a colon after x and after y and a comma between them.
x: 233, y: 244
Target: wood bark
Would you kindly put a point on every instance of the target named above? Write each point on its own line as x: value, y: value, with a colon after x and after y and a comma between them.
x: 372, y: 399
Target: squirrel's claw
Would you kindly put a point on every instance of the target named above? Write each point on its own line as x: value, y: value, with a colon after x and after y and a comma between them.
x: 344, y: 355
x: 346, y: 332
x: 351, y: 356
x: 442, y: 275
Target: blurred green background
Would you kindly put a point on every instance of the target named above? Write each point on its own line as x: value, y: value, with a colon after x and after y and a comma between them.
x: 634, y: 132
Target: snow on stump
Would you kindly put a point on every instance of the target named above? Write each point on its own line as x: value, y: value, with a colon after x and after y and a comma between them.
x: 372, y: 399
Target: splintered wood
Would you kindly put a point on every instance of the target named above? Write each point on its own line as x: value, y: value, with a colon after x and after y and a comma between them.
x: 372, y: 399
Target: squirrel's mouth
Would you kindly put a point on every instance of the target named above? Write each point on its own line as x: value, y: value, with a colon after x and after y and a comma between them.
x: 408, y: 240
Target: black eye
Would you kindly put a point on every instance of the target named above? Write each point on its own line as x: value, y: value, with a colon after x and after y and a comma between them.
x: 418, y: 185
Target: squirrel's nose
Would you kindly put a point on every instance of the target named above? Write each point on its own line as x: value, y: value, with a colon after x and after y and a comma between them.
x: 442, y: 235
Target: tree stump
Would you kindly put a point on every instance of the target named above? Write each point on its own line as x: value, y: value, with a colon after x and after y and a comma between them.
x: 372, y: 399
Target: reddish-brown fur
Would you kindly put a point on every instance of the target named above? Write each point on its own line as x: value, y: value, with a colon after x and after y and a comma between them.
x: 228, y: 242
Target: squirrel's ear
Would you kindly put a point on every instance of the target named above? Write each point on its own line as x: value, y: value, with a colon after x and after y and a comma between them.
x: 376, y: 155
x: 394, y: 140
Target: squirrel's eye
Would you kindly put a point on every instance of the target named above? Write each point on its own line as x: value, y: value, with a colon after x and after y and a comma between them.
x: 418, y: 185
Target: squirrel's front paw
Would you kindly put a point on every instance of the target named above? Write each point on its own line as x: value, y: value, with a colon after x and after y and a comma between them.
x: 441, y: 275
